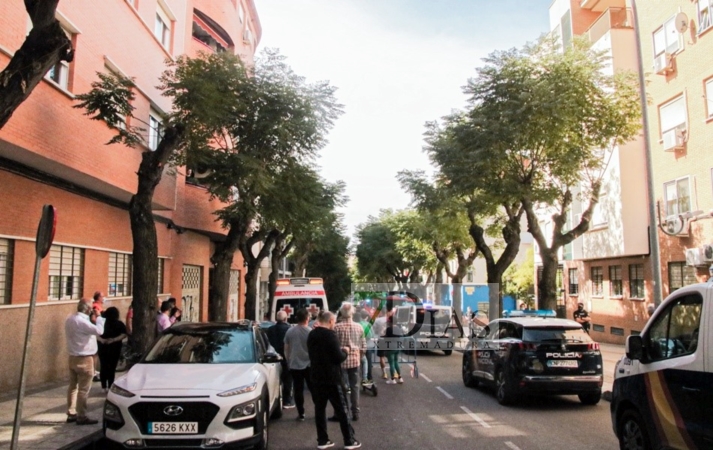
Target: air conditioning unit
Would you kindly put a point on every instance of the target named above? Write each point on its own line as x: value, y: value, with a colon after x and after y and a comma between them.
x: 695, y: 256
x: 707, y: 252
x: 663, y: 64
x: 246, y: 35
x: 676, y: 226
x: 674, y: 139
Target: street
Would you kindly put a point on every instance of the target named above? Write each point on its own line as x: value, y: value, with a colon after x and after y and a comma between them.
x: 436, y: 411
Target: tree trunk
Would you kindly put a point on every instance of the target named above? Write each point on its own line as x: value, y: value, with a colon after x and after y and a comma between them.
x: 143, y: 234
x: 46, y: 45
x: 219, y: 290
x: 439, y: 283
x: 275, y: 257
x: 251, y: 275
x: 253, y: 265
x: 496, y: 269
x: 547, y: 285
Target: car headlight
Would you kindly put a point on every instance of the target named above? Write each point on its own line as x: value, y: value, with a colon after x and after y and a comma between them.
x: 112, y: 412
x: 121, y: 391
x: 239, y: 390
x: 242, y: 411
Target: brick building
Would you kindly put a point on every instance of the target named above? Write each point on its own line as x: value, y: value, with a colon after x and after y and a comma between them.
x: 50, y: 153
x: 677, y: 41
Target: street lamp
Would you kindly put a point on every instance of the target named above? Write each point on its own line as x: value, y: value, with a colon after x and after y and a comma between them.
x: 654, y: 249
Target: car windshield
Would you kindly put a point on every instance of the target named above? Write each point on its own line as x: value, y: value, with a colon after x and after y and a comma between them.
x: 216, y: 346
x: 555, y: 334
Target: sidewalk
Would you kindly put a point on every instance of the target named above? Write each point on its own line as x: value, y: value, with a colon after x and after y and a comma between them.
x: 44, y: 415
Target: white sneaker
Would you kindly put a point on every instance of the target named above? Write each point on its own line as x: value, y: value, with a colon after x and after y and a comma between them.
x: 390, y: 381
x: 400, y: 380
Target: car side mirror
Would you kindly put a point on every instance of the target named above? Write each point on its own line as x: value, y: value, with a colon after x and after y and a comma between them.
x: 635, y: 347
x: 271, y: 357
x: 483, y: 333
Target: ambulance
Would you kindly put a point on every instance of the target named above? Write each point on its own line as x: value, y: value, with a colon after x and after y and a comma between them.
x: 292, y: 294
x: 663, y: 388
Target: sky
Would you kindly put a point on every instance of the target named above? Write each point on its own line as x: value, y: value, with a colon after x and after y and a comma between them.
x: 397, y: 64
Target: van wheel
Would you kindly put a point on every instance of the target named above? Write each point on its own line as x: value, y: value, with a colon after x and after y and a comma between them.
x: 590, y: 398
x: 468, y: 379
x: 503, y: 388
x: 447, y: 352
x: 632, y: 432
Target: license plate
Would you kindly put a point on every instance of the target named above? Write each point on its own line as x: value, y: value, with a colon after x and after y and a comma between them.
x: 563, y: 363
x: 173, y: 427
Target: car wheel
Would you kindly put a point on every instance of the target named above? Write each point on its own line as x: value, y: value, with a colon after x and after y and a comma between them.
x: 468, y: 379
x: 632, y: 432
x: 263, y: 422
x: 447, y: 352
x: 503, y: 389
x: 590, y: 398
x: 277, y: 412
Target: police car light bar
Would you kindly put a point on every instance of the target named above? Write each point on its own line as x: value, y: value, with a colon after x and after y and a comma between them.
x: 530, y: 313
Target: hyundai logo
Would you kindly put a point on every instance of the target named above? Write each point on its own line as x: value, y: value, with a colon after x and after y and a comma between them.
x: 173, y: 410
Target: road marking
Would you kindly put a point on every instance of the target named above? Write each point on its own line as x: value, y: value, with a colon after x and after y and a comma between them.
x: 420, y: 375
x: 478, y: 419
x: 443, y: 391
x: 511, y: 445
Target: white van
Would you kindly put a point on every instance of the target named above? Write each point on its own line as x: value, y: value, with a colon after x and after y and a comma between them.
x: 663, y: 388
x: 292, y: 294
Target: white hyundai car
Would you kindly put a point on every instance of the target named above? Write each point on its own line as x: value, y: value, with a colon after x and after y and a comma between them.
x: 202, y: 385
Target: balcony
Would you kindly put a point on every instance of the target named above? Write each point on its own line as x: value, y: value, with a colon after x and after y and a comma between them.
x: 611, y: 19
x: 601, y: 5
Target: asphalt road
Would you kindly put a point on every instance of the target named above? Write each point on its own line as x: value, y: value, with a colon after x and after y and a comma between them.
x: 436, y: 411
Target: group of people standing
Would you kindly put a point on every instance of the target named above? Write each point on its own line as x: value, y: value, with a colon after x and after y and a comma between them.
x: 330, y: 357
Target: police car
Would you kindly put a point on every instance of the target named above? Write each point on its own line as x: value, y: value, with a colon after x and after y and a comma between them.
x: 535, y: 356
x: 663, y: 388
x: 430, y: 326
x: 292, y: 294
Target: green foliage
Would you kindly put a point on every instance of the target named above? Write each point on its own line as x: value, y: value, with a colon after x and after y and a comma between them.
x: 519, y: 280
x: 329, y: 261
x: 110, y: 100
x: 378, y: 260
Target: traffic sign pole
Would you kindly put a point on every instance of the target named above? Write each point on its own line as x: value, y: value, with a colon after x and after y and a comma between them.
x: 45, y: 236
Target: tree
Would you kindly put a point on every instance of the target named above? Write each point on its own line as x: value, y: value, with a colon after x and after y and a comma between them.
x: 328, y: 260
x: 204, y: 94
x: 45, y: 46
x: 278, y: 122
x: 519, y: 280
x: 445, y: 224
x: 543, y: 123
x: 483, y: 192
x: 378, y: 260
x: 301, y: 202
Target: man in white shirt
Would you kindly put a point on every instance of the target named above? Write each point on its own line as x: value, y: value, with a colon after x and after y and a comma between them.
x: 81, y: 330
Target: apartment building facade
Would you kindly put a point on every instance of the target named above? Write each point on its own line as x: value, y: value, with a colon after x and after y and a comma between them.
x: 50, y: 153
x: 677, y: 41
x: 608, y: 268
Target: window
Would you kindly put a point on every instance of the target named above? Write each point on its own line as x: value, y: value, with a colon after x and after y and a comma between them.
x: 160, y: 275
x: 704, y: 15
x: 566, y: 27
x: 6, y: 247
x: 66, y: 271
x: 155, y: 130
x: 708, y: 91
x: 241, y: 13
x: 162, y: 28
x: 597, y: 281
x: 59, y: 73
x: 667, y: 39
x: 615, y: 285
x: 674, y: 332
x: 573, y: 282
x: 133, y: 3
x: 248, y: 35
x: 636, y: 281
x: 677, y: 196
x: 673, y: 115
x: 599, y: 215
x: 680, y: 275
x: 119, y: 275
x: 469, y: 276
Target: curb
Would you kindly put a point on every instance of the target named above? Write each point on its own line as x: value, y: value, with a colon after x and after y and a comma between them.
x: 83, y: 442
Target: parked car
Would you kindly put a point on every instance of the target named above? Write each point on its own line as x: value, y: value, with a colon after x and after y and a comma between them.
x: 535, y: 356
x: 663, y: 388
x: 202, y: 385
